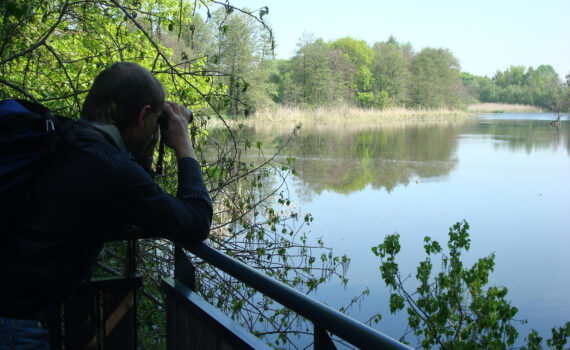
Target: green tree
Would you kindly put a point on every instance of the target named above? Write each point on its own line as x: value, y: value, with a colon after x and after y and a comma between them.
x: 198, y: 36
x: 391, y: 70
x: 236, y: 56
x: 454, y: 308
x: 360, y: 55
x: 472, y: 87
x: 356, y: 51
x: 289, y: 91
x: 312, y: 69
x: 435, y: 76
x: 548, y: 90
x: 512, y: 76
x: 517, y: 84
x: 487, y: 90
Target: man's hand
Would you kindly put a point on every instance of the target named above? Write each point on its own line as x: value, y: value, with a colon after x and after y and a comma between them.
x: 178, y: 117
x: 147, y: 156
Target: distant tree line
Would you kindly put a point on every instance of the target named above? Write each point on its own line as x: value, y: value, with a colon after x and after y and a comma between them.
x: 518, y: 84
x: 349, y: 71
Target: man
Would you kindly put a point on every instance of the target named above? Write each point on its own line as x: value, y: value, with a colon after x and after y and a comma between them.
x: 91, y: 190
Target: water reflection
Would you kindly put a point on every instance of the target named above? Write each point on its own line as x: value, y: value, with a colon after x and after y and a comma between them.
x: 529, y: 135
x: 345, y: 160
x: 508, y: 178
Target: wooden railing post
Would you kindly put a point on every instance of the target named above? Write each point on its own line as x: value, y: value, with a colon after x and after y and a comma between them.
x: 131, y: 271
x: 184, y: 271
x: 178, y: 321
x: 322, y: 339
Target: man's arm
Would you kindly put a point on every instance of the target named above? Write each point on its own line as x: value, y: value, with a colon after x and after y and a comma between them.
x: 186, y: 218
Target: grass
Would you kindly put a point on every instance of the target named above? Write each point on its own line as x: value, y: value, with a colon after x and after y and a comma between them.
x: 345, y: 116
x: 351, y: 117
x: 502, y: 108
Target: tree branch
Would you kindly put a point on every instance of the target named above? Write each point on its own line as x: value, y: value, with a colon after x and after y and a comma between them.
x: 19, y: 89
x: 50, y: 49
x: 170, y: 65
x: 42, y: 39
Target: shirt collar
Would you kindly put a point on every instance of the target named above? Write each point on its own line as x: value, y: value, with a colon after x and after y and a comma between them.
x: 111, y: 130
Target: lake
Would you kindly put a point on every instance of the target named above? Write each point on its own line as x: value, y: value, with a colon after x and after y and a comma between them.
x: 508, y: 175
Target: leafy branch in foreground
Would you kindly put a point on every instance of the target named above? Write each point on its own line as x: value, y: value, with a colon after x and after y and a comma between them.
x: 257, y: 223
x: 50, y: 51
x: 452, y: 309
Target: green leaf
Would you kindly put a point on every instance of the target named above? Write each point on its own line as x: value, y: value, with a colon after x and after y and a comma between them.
x: 396, y: 303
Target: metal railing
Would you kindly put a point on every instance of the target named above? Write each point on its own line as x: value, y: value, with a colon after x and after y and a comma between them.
x: 105, y: 317
x: 324, y: 318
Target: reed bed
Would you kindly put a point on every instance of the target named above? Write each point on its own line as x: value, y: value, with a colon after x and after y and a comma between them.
x: 345, y: 116
x: 502, y: 108
x: 353, y: 117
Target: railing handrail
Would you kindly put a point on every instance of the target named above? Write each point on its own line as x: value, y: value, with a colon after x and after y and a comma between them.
x: 349, y: 329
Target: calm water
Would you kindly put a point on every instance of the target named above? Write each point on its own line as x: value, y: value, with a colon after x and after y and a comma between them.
x: 508, y: 175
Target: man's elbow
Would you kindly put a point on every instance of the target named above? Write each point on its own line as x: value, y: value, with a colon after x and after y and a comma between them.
x: 203, y: 232
x: 195, y: 227
x: 203, y: 224
x: 193, y: 233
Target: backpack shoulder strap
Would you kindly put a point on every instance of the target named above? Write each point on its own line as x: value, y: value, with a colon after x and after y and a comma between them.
x: 85, y: 131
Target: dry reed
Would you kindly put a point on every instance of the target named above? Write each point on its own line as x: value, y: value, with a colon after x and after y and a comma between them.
x: 345, y: 116
x: 281, y: 117
x: 502, y: 108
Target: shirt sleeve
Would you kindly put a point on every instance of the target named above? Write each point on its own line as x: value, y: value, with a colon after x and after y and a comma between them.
x: 185, y: 218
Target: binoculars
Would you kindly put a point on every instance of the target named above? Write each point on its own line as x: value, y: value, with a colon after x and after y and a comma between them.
x: 162, y: 122
x: 162, y: 125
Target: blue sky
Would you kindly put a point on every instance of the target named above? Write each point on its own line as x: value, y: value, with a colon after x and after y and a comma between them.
x: 485, y: 35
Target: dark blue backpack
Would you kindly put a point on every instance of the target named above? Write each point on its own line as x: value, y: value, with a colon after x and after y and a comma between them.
x: 29, y: 137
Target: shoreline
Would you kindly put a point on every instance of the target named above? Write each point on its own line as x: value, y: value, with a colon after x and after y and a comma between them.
x: 503, y: 108
x: 289, y: 117
x: 353, y: 117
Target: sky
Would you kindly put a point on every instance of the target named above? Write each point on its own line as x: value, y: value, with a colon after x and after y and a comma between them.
x: 486, y: 36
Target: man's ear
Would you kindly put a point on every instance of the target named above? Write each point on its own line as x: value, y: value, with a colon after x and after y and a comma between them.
x: 142, y: 114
